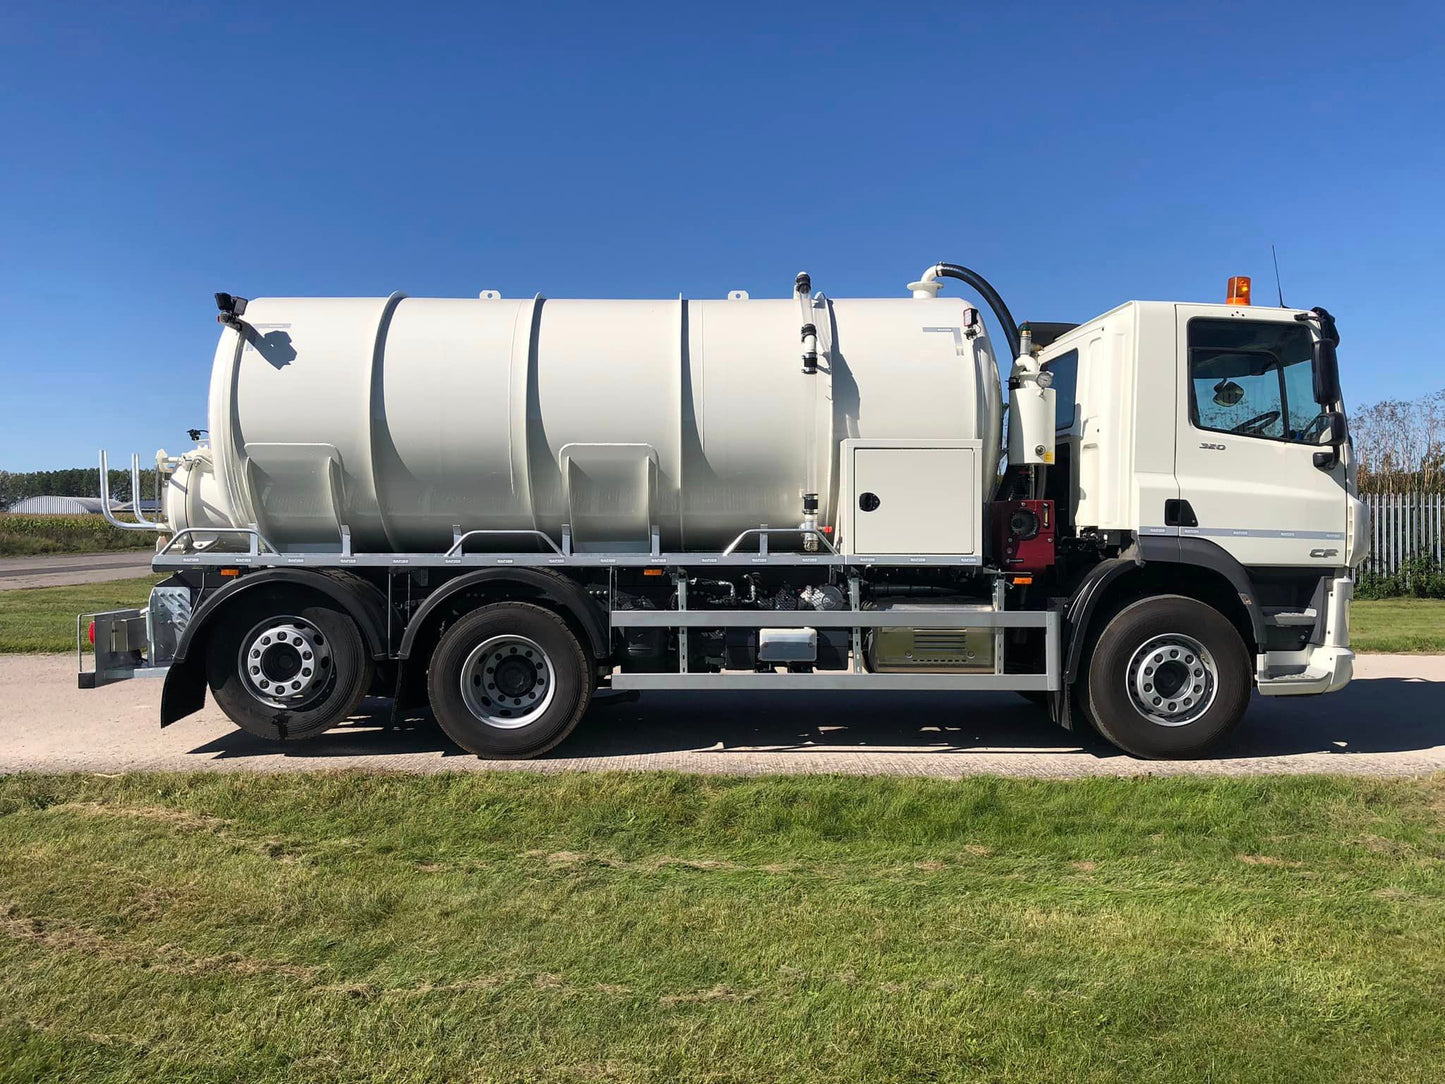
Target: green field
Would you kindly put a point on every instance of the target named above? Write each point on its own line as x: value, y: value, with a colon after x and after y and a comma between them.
x: 349, y: 927
x: 36, y: 619
x: 43, y: 618
x: 23, y: 536
x: 1398, y: 625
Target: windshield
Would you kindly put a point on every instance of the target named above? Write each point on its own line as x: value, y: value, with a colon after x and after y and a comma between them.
x: 1254, y: 378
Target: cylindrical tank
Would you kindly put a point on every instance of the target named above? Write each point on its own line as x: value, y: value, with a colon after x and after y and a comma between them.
x: 404, y: 419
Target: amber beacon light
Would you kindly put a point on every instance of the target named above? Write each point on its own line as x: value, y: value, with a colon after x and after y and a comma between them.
x: 1238, y: 290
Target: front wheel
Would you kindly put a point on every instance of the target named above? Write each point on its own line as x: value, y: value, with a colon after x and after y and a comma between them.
x: 509, y: 680
x: 1168, y: 677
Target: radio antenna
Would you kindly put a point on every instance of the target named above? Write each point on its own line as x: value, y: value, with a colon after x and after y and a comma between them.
x: 1275, y: 256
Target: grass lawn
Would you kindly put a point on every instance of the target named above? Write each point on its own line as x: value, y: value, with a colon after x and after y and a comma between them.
x: 665, y: 928
x: 1398, y: 625
x: 43, y: 618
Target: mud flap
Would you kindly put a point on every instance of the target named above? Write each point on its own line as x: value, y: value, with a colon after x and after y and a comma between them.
x: 1061, y: 708
x: 184, y: 692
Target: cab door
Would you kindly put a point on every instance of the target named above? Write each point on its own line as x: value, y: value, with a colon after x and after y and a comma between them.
x: 1248, y: 431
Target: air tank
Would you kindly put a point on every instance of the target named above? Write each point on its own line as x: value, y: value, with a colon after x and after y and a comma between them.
x: 627, y: 424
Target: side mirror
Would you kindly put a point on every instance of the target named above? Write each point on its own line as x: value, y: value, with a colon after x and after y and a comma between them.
x: 1327, y: 374
x: 1335, y: 430
x: 1334, y: 433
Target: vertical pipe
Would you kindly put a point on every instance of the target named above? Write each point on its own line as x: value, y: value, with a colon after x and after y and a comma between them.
x: 1435, y: 534
x: 1375, y: 531
x: 1394, y: 532
x: 1373, y: 506
x: 684, y: 384
x: 1411, y: 522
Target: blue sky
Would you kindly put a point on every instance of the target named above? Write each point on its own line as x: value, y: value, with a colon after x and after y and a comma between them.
x: 1077, y: 155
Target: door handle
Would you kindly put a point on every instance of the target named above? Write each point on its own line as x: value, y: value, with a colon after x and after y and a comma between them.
x: 1179, y: 514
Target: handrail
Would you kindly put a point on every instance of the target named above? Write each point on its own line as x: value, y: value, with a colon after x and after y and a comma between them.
x: 763, y: 532
x: 135, y: 494
x: 257, y: 538
x: 462, y: 539
x: 105, y: 509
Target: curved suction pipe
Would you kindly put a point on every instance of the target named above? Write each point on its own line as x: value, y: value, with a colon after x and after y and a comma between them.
x: 928, y: 286
x: 141, y: 523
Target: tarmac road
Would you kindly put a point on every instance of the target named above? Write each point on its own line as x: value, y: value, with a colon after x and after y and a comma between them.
x: 1389, y: 721
x: 62, y: 570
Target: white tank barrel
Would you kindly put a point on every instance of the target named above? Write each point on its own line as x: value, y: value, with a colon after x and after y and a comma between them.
x: 404, y: 418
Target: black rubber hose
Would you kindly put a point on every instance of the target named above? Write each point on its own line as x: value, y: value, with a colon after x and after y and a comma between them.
x: 989, y: 294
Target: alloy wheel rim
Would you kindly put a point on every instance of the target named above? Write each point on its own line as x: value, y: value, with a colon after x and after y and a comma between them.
x: 508, y: 682
x: 285, y: 662
x: 1172, y: 680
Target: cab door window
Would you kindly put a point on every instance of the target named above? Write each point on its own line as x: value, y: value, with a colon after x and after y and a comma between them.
x: 1253, y: 378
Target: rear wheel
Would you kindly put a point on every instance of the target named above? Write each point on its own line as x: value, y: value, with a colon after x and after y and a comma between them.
x: 1168, y: 677
x: 286, y: 667
x: 509, y: 680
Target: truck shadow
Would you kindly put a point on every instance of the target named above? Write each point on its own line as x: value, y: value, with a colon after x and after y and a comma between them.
x: 1372, y: 715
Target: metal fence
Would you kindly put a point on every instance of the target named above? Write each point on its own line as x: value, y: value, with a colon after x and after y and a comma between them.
x: 1403, y: 525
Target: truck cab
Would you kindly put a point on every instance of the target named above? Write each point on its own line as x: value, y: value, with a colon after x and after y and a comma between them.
x: 1205, y: 445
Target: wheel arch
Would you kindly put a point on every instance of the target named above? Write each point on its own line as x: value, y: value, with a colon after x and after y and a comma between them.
x: 185, y: 684
x: 560, y: 594
x: 1193, y: 567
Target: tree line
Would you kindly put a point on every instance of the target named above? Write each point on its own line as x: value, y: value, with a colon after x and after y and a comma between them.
x: 15, y: 486
x: 1400, y: 444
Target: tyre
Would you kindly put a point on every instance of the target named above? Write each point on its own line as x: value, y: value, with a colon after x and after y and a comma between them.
x: 286, y: 666
x: 509, y: 681
x: 1168, y: 677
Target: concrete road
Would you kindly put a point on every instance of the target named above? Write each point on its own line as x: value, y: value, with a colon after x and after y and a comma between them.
x: 1389, y: 721
x: 65, y: 569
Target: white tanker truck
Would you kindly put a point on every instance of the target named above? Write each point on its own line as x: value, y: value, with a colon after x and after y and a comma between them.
x: 499, y: 507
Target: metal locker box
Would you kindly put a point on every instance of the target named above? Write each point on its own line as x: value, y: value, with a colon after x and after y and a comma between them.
x: 912, y: 497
